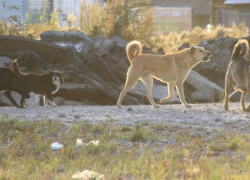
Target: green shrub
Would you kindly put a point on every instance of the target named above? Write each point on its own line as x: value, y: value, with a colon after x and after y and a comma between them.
x: 129, y: 21
x: 138, y: 134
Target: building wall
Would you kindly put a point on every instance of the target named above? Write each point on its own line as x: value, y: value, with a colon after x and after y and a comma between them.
x: 201, y: 9
x: 237, y: 14
x: 68, y: 7
x: 6, y: 12
x: 34, y: 10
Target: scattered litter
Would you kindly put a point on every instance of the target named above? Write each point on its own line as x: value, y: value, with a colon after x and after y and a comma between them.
x: 56, y: 146
x: 88, y: 175
x: 194, y: 172
x: 80, y: 143
x: 93, y: 142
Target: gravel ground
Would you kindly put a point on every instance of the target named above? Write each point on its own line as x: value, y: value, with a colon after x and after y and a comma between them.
x: 208, y: 116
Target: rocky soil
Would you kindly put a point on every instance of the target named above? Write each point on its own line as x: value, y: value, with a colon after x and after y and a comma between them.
x: 201, y: 119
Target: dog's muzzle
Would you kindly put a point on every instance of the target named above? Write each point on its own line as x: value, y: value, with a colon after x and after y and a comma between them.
x: 207, y: 58
x: 55, y: 78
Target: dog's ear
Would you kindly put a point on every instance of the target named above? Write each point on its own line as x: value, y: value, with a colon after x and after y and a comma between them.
x: 192, y: 49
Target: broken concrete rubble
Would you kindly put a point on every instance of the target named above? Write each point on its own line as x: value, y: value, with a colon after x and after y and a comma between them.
x: 75, y: 39
x: 99, y: 71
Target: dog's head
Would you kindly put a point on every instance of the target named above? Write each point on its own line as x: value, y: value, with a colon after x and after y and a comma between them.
x: 57, y: 77
x: 200, y: 54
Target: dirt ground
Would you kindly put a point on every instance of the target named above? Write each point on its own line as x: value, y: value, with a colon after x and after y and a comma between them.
x: 210, y: 116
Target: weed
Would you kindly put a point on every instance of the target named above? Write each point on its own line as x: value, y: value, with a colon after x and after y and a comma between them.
x: 25, y: 152
x: 138, y: 134
x: 234, y: 143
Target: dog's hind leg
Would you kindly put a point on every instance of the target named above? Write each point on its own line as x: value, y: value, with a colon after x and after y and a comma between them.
x: 170, y: 93
x: 248, y: 93
x: 228, y: 87
x: 133, y: 76
x: 23, y: 102
x: 148, y: 81
x: 10, y: 98
x: 179, y: 87
x: 242, y: 100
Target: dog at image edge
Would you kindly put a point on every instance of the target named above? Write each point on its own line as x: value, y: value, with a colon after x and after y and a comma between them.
x: 10, y: 81
x: 172, y: 69
x: 238, y: 73
x: 44, y: 84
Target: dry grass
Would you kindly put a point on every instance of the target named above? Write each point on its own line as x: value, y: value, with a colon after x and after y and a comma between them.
x: 124, y: 152
x: 173, y: 40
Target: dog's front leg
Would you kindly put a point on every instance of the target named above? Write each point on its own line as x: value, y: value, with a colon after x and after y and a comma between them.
x: 179, y: 87
x: 170, y: 93
x: 23, y: 102
x: 45, y: 102
x: 49, y: 96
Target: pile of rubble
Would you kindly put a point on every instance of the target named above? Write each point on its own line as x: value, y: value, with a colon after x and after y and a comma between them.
x: 95, y: 68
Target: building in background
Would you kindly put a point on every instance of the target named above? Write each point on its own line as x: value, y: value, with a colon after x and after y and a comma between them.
x: 201, y: 9
x: 170, y: 14
x: 217, y: 5
x: 64, y: 8
x: 227, y: 12
x: 34, y: 10
x: 237, y: 11
x: 14, y: 8
x: 172, y: 19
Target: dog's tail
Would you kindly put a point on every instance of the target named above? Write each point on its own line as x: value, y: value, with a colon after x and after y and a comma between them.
x: 133, y: 49
x: 15, y: 68
x: 241, y: 49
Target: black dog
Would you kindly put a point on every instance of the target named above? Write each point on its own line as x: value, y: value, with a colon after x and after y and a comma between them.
x: 10, y: 81
x: 44, y: 84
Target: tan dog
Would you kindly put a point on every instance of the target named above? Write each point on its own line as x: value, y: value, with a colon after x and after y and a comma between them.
x: 172, y: 69
x: 238, y: 74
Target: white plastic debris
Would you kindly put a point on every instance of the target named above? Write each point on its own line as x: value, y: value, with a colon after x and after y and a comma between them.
x: 93, y: 142
x: 79, y: 143
x: 88, y: 175
x: 56, y: 146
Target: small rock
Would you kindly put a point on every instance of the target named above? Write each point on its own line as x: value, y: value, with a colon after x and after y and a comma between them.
x: 61, y: 169
x: 217, y: 120
x: 178, y: 174
x: 12, y: 133
x: 130, y: 109
x: 172, y: 141
x: 207, y: 139
x: 62, y: 115
x: 76, y: 116
x: 2, y: 146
